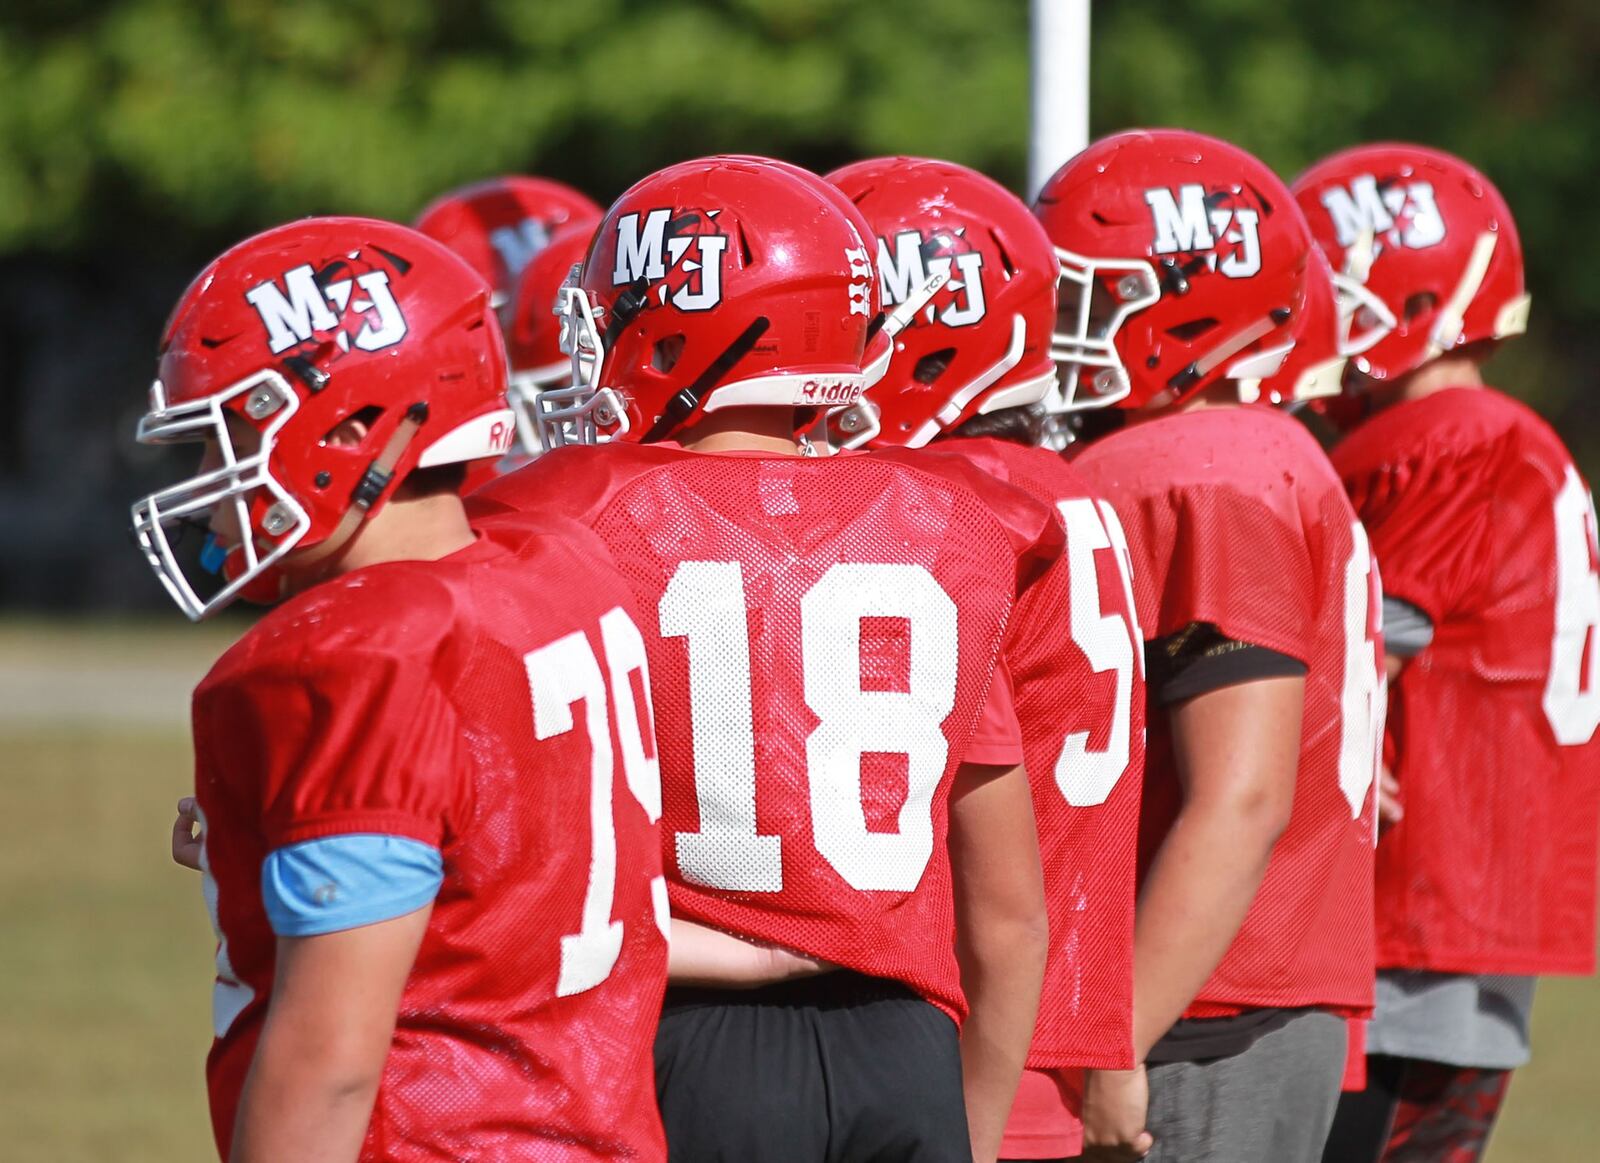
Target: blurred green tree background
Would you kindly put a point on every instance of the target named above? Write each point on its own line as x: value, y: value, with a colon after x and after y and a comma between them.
x: 144, y: 135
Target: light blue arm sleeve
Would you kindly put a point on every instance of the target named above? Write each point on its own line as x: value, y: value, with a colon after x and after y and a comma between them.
x: 344, y: 882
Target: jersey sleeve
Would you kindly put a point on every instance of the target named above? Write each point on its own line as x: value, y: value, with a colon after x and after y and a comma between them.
x: 1210, y: 554
x: 339, y: 742
x: 1429, y: 519
x: 997, y: 741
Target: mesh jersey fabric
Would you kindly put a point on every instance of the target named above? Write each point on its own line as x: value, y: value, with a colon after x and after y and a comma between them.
x: 396, y: 700
x: 843, y: 617
x: 1046, y: 1120
x: 1493, y: 869
x: 1234, y: 517
x: 1069, y: 711
x: 997, y: 739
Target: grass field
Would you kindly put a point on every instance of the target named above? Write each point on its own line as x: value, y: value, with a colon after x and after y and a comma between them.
x: 105, y: 955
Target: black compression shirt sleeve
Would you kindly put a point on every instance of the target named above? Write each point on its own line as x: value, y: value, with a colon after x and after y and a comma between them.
x: 1200, y: 658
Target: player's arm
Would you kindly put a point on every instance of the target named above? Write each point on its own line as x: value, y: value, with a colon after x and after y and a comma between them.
x: 1237, y: 752
x: 315, y: 1074
x: 702, y: 956
x: 1001, y: 939
x: 1236, y: 747
x: 349, y: 912
x: 1407, y: 632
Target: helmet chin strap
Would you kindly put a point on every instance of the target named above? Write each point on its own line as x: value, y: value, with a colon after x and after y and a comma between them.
x: 682, y: 405
x: 373, y: 482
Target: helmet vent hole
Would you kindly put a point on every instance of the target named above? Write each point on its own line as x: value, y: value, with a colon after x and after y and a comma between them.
x: 401, y: 266
x: 933, y: 365
x: 1192, y: 330
x: 744, y: 249
x: 1263, y: 201
x: 1005, y: 256
x: 1419, y: 304
x: 1099, y: 218
x: 666, y: 354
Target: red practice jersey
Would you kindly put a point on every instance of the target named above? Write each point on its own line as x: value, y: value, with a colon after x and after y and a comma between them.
x: 1235, y: 518
x: 1076, y: 658
x: 493, y: 705
x: 825, y: 633
x: 1479, y: 518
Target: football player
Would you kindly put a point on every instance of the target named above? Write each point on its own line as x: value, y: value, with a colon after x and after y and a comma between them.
x: 503, y: 227
x: 1486, y: 536
x: 533, y: 345
x: 501, y: 224
x: 1184, y: 266
x: 841, y: 765
x: 408, y: 965
x: 964, y: 378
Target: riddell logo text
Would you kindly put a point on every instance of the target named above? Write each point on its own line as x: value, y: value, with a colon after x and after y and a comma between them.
x: 501, y: 435
x: 829, y: 392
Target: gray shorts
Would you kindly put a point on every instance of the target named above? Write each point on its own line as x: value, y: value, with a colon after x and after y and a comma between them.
x: 1459, y: 1019
x: 1271, y: 1104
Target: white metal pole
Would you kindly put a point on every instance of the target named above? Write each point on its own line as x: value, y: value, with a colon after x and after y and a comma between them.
x: 1060, y: 89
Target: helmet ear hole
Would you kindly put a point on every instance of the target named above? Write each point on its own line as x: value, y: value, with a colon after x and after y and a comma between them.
x: 1418, y: 304
x: 933, y: 365
x: 666, y: 353
x: 353, y: 429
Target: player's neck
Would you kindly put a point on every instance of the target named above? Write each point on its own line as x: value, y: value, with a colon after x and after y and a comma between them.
x: 407, y: 528
x: 1219, y: 395
x: 1448, y: 371
x: 768, y: 430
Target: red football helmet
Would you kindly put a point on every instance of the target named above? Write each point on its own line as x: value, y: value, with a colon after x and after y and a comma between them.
x: 1183, y: 263
x: 1326, y: 339
x: 501, y: 224
x: 533, y: 338
x: 288, y: 335
x: 716, y: 283
x: 983, y: 342
x: 1430, y: 237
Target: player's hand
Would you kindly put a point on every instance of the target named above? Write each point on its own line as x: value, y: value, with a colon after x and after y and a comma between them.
x: 702, y: 956
x: 788, y: 965
x: 1390, y: 810
x: 1115, y: 1106
x: 186, y: 834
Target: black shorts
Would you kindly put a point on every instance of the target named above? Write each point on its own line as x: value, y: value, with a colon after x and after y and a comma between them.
x: 839, y: 1068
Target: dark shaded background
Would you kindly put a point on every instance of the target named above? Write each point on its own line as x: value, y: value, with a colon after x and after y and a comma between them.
x: 139, y: 137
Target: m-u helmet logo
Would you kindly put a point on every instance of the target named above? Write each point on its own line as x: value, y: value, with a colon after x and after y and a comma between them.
x: 519, y: 244
x: 347, y: 301
x: 679, y: 253
x: 907, y: 260
x: 1392, y: 211
x: 1219, y: 224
